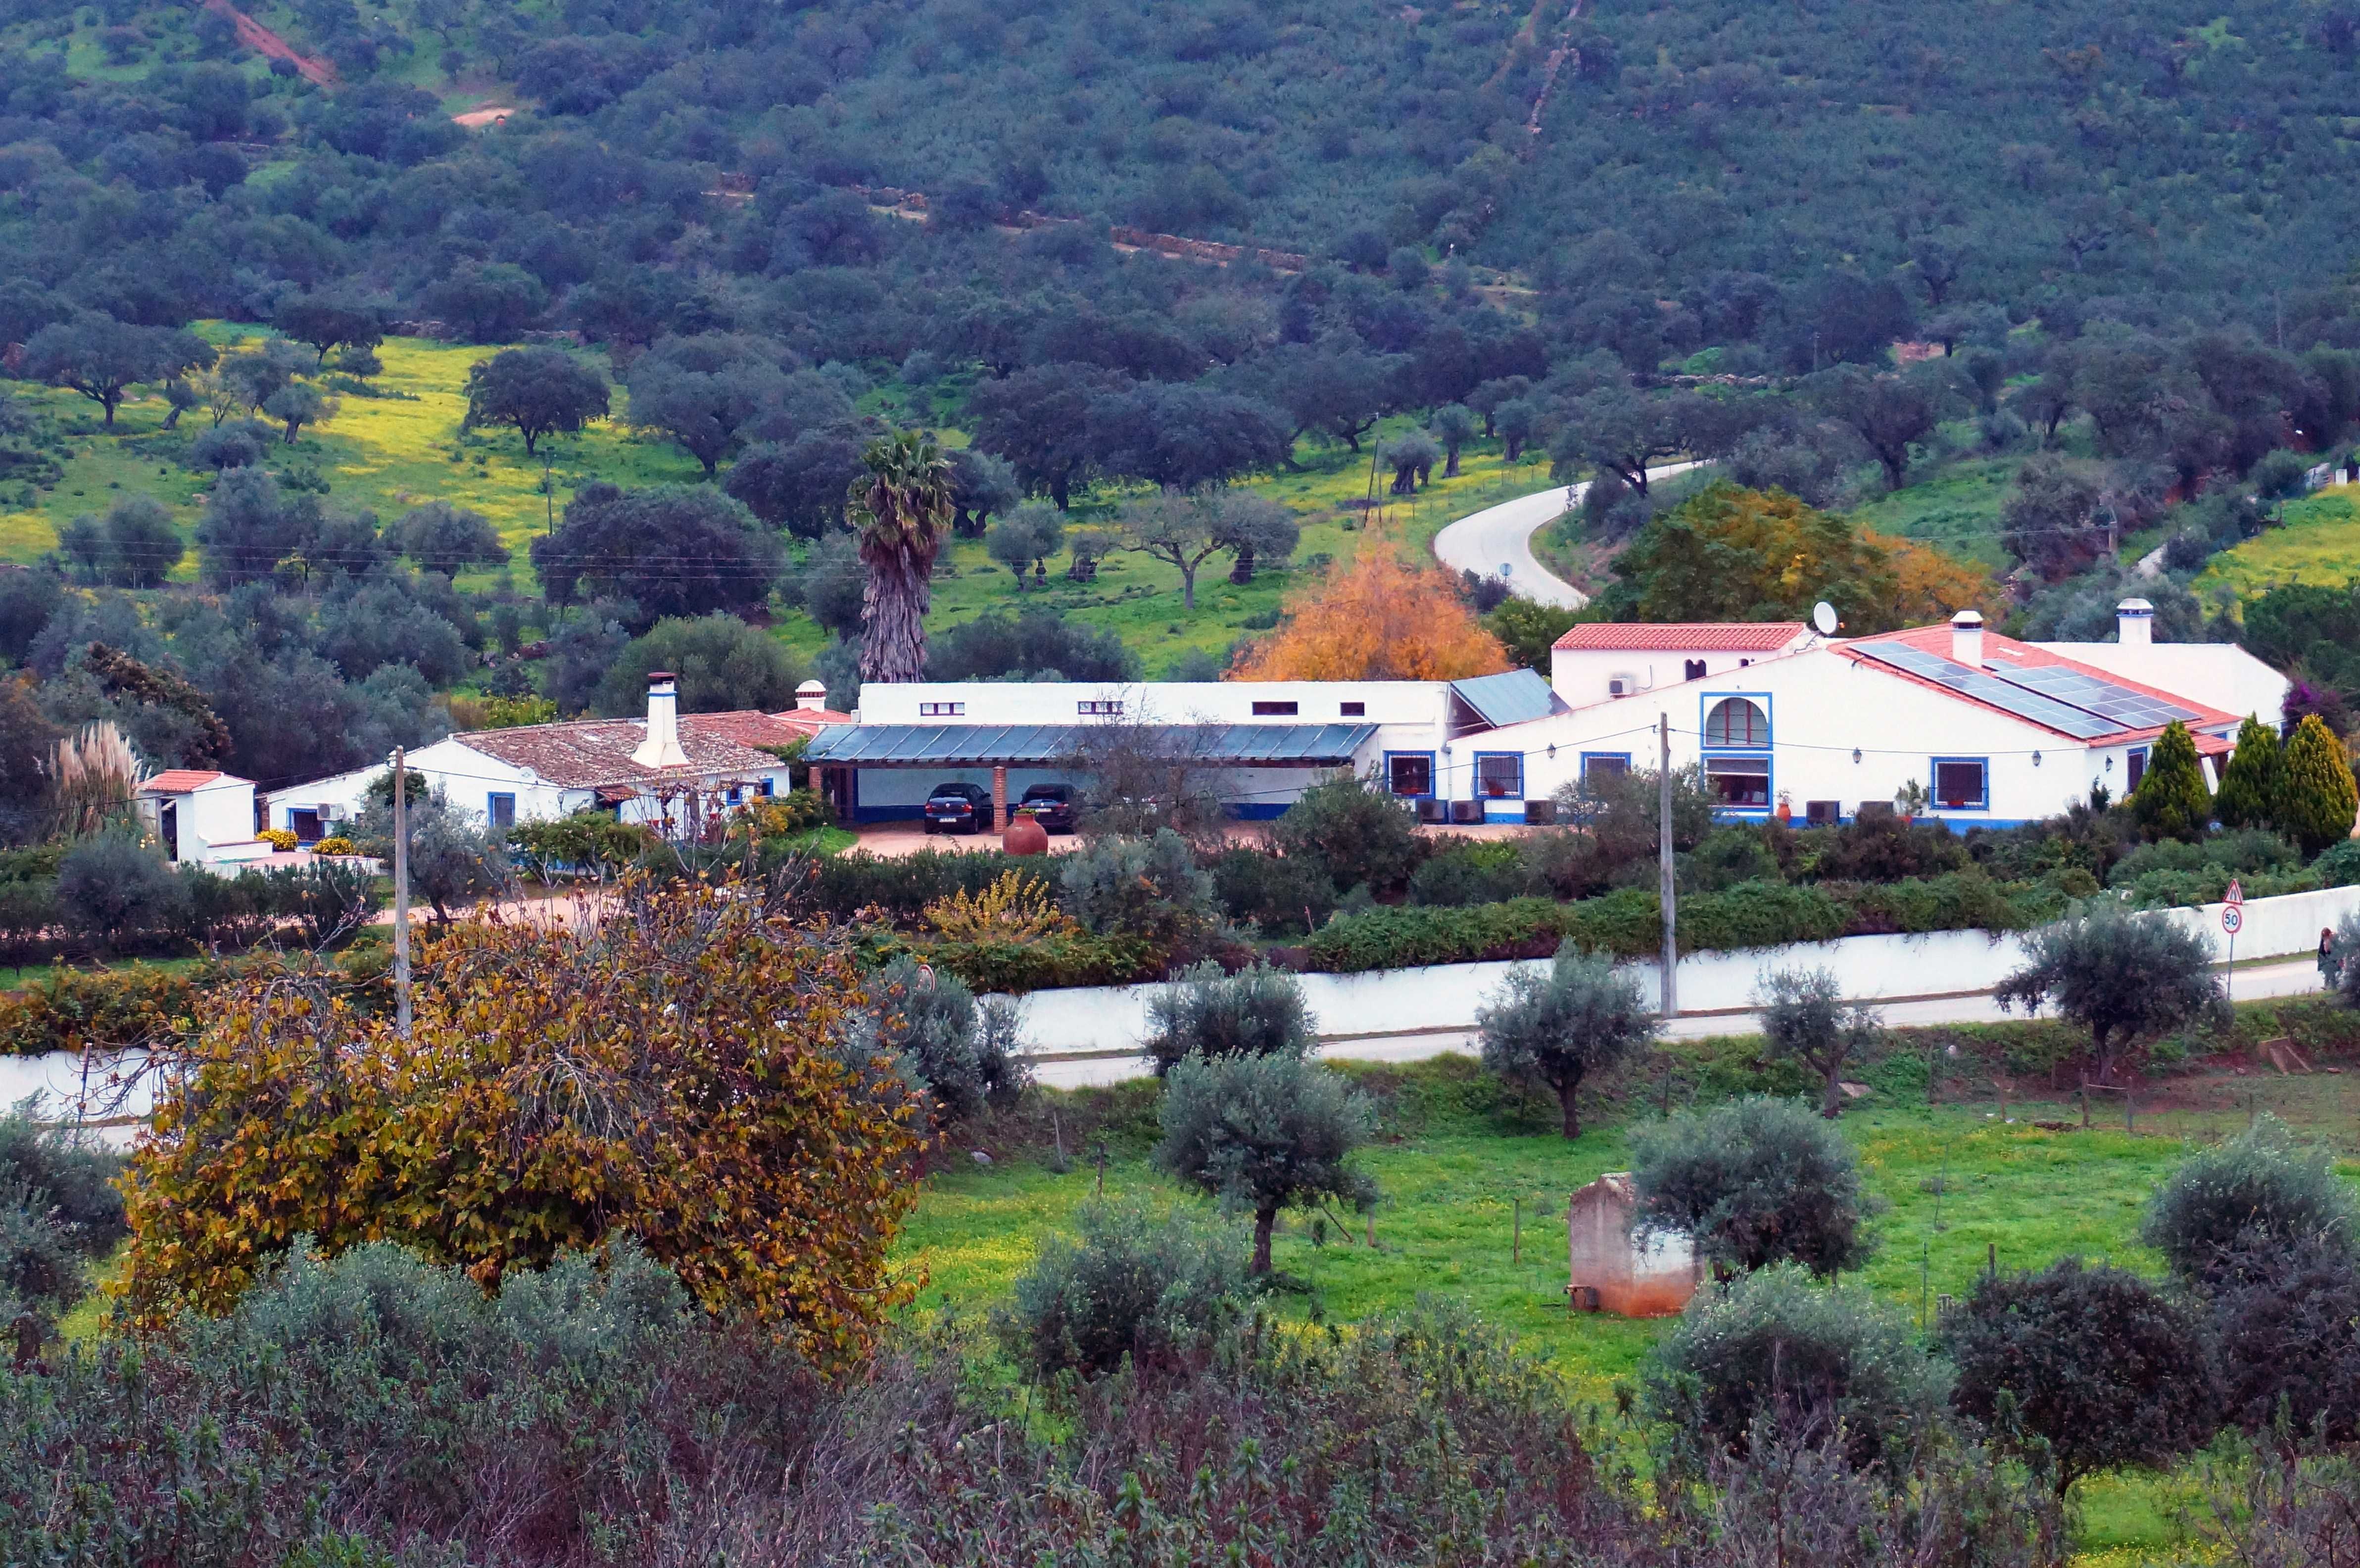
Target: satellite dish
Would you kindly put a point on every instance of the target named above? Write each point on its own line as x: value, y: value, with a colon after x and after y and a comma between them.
x: 1823, y: 615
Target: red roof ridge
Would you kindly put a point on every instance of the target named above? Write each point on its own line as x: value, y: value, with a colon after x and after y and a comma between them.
x: 182, y: 780
x: 1704, y: 637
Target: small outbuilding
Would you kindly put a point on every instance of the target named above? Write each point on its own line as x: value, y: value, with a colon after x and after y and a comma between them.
x: 1613, y: 1272
x: 200, y: 816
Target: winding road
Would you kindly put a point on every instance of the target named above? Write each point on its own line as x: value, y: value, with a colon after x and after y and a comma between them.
x: 1498, y: 542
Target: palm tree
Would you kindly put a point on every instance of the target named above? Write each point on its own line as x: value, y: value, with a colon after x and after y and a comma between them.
x: 899, y: 510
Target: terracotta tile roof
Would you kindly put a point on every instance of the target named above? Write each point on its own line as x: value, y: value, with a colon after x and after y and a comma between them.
x: 182, y: 780
x: 1682, y: 637
x: 811, y: 721
x: 588, y: 753
x: 2004, y: 653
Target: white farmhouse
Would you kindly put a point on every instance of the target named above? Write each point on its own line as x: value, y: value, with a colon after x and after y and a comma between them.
x: 1603, y: 659
x: 671, y: 771
x: 200, y: 817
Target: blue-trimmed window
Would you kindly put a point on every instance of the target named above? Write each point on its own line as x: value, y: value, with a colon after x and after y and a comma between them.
x: 1605, y: 762
x: 1962, y: 783
x: 1499, y: 775
x: 501, y: 811
x: 1409, y: 774
x: 2137, y: 765
x: 1736, y: 724
x: 1739, y: 783
x: 765, y: 790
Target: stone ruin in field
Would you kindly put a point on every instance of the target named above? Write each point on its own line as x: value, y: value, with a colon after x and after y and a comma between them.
x: 1649, y: 1278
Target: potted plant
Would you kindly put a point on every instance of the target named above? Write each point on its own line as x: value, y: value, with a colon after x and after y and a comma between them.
x: 1909, y: 801
x: 1786, y: 807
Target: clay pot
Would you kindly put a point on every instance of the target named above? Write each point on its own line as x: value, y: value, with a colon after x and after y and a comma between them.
x: 1022, y: 835
x: 1785, y: 813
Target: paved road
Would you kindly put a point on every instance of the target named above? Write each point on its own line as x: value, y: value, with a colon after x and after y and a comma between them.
x: 1501, y: 537
x: 2293, y: 977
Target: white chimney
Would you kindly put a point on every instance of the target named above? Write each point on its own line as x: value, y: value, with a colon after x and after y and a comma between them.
x: 811, y: 696
x: 2135, y: 623
x: 661, y: 748
x: 1967, y: 638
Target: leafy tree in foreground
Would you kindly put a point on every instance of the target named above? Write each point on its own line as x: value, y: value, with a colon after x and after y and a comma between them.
x: 700, y: 1042
x: 1265, y: 1133
x: 2251, y: 783
x: 2171, y: 801
x: 669, y: 549
x: 455, y: 858
x: 2287, y: 1320
x: 1581, y: 1017
x: 1804, y: 1017
x: 900, y: 508
x: 1755, y: 1182
x: 723, y: 665
x: 1354, y: 831
x: 2123, y: 977
x: 1184, y: 531
x: 100, y: 357
x: 1380, y: 618
x: 959, y: 1052
x: 1775, y: 1344
x: 2096, y: 1364
x: 2318, y: 797
x: 2261, y: 1191
x: 537, y: 391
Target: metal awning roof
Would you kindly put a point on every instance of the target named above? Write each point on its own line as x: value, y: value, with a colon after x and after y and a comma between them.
x: 1051, y: 746
x: 1509, y: 699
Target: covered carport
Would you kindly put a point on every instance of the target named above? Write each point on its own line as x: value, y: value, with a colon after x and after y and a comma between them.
x: 840, y: 753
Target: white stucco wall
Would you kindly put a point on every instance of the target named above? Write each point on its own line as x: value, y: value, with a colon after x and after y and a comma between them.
x: 1417, y: 703
x: 2217, y: 674
x: 1581, y: 675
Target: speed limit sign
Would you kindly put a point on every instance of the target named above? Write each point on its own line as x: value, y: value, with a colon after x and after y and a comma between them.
x: 2232, y: 919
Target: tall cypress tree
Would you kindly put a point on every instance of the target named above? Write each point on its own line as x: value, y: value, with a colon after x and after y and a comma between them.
x: 2171, y: 801
x: 2318, y: 797
x: 2250, y: 784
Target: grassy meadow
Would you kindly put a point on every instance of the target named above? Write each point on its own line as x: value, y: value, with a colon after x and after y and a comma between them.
x: 2319, y: 544
x: 1464, y: 1163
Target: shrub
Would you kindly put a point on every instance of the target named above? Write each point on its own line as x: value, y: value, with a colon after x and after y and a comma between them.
x: 589, y: 842
x: 1755, y: 1182
x: 1147, y: 887
x: 959, y: 1053
x: 2286, y: 1318
x: 900, y: 888
x: 2245, y: 852
x: 2123, y: 977
x: 1016, y: 908
x: 1885, y: 849
x: 1258, y: 1011
x: 1557, y: 1028
x: 1351, y: 832
x: 2261, y: 1189
x: 1264, y: 1132
x: 238, y: 443
x: 2339, y: 865
x: 791, y: 815
x: 1804, y: 1017
x: 1046, y: 963
x: 2317, y: 794
x: 664, y: 1073
x: 2251, y: 782
x: 2095, y: 1364
x: 59, y: 1209
x: 1775, y: 1344
x: 334, y: 845
x: 113, y: 889
x: 1278, y: 894
x: 329, y: 898
x: 1468, y: 874
x: 1156, y: 1292
x: 280, y: 838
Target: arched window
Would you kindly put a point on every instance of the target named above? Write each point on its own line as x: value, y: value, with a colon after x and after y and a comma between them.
x: 1736, y: 722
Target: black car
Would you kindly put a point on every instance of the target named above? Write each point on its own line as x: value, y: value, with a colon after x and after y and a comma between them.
x: 958, y: 807
x: 1052, y: 805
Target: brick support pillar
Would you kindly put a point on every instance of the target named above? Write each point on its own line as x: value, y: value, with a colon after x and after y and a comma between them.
x: 998, y: 798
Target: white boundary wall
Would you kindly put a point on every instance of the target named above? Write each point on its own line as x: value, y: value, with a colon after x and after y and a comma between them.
x: 1871, y: 968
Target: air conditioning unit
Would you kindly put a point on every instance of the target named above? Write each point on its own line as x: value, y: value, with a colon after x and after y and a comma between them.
x: 1618, y: 685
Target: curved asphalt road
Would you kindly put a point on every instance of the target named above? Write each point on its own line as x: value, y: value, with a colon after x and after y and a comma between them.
x: 1498, y: 542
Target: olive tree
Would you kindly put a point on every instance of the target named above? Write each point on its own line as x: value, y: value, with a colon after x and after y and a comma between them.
x: 1265, y: 1133
x: 2096, y: 1364
x: 1754, y: 1181
x: 2260, y: 1191
x: 1258, y: 1011
x: 2125, y: 977
x: 960, y: 1052
x: 1804, y: 1017
x: 1557, y: 1028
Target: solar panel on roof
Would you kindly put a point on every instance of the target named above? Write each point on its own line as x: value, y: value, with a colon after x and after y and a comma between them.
x: 2136, y: 710
x: 1988, y: 688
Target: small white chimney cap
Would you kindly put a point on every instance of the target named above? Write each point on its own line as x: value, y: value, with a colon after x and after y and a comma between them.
x: 1968, y: 618
x: 811, y: 694
x: 2134, y: 607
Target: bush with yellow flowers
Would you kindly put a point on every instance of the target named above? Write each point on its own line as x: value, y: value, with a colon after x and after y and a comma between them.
x: 675, y: 1072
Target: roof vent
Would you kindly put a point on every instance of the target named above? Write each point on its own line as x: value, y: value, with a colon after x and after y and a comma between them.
x: 661, y: 748
x: 1967, y: 638
x: 811, y: 696
x: 2135, y: 623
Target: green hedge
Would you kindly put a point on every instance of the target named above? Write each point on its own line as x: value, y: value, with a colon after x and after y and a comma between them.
x: 1628, y: 923
x: 843, y: 885
x: 109, y: 1009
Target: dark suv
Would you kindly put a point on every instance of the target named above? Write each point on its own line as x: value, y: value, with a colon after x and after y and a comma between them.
x: 1052, y: 806
x: 960, y: 807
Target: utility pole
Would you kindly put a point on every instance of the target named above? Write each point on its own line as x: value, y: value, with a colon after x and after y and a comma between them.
x: 401, y: 891
x: 1664, y: 865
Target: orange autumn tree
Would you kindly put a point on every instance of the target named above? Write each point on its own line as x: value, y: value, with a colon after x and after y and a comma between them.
x: 1379, y: 618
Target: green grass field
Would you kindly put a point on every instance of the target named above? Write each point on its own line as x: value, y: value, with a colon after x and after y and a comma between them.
x: 1958, y: 509
x: 2319, y: 544
x: 1460, y: 1163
